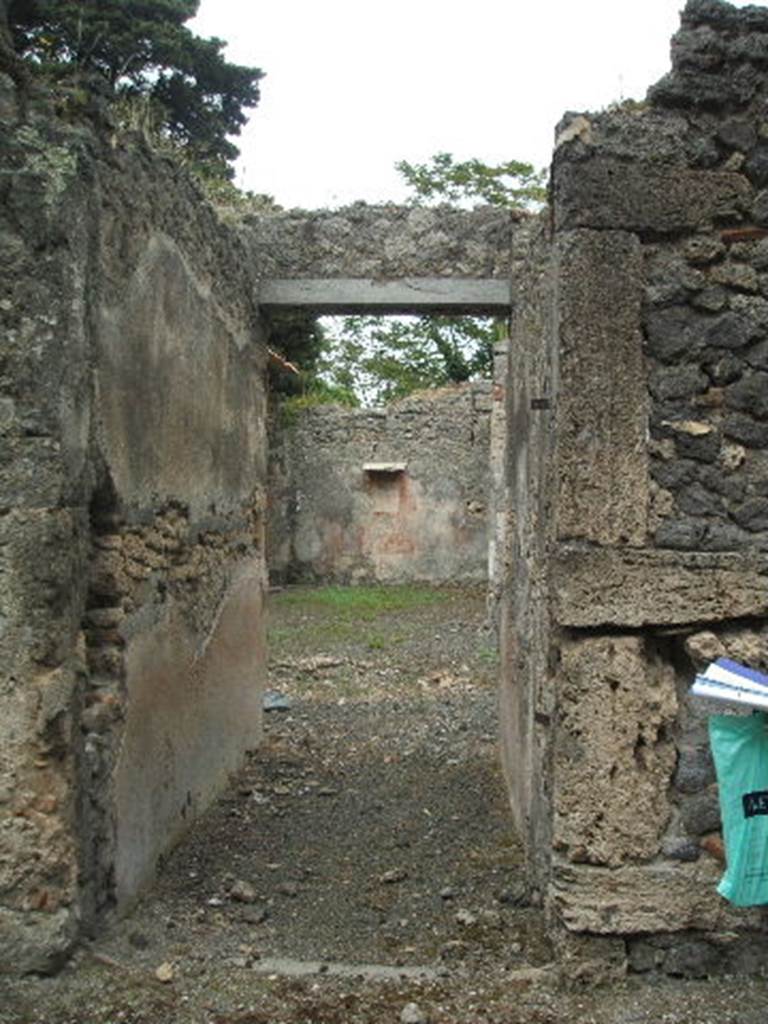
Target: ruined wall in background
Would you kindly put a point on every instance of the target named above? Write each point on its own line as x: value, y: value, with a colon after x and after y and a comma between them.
x: 648, y: 546
x: 386, y: 495
x: 131, y: 490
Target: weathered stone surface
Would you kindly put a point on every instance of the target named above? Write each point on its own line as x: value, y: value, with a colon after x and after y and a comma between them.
x: 694, y: 958
x: 703, y: 249
x: 671, y: 332
x: 622, y: 587
x: 684, y: 382
x: 711, y: 300
x: 131, y: 411
x: 681, y: 849
x: 601, y: 413
x: 747, y: 645
x: 169, y: 768
x: 604, y: 194
x: 729, y: 331
x: 589, y: 960
x: 737, y: 133
x: 663, y: 209
x: 146, y: 389
x: 753, y: 514
x: 625, y: 134
x: 382, y: 242
x: 735, y: 275
x: 526, y: 698
x: 703, y: 647
x: 616, y: 707
x: 701, y: 813
x: 695, y: 767
x: 745, y: 429
x: 750, y: 394
x: 42, y: 940
x: 668, y: 897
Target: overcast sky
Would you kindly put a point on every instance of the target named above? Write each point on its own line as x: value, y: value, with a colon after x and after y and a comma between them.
x: 351, y: 87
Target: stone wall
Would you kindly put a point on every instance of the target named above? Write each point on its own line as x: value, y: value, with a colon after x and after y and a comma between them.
x: 631, y: 517
x: 383, y: 495
x: 382, y: 242
x: 131, y: 551
x: 639, y: 507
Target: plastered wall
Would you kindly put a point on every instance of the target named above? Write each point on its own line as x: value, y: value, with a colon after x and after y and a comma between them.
x: 131, y: 503
x: 390, y: 495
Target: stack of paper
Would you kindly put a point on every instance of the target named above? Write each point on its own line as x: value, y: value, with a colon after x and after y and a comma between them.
x: 727, y: 680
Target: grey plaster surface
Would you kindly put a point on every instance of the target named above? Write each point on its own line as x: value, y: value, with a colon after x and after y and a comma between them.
x: 369, y: 295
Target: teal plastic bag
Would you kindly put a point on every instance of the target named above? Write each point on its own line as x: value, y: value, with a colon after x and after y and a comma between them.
x: 740, y: 750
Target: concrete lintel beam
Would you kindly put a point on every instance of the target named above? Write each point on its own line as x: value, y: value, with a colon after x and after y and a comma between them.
x: 481, y: 296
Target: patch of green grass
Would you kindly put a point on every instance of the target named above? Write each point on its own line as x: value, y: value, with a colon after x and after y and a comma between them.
x: 488, y: 654
x: 361, y: 604
x: 325, y: 632
x: 380, y: 641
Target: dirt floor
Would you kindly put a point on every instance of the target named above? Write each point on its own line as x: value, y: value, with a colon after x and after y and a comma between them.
x: 363, y: 866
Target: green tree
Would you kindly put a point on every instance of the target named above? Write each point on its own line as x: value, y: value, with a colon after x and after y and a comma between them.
x: 143, y: 50
x: 384, y: 358
x: 513, y: 185
x: 10, y: 63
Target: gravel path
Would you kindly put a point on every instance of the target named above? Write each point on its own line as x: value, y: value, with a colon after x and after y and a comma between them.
x: 363, y: 866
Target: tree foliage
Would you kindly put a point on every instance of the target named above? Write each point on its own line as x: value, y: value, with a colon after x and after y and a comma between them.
x: 381, y: 359
x: 384, y: 358
x: 143, y: 49
x: 513, y: 185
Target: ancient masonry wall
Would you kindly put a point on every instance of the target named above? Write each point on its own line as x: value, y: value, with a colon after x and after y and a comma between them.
x: 382, y: 242
x: 387, y: 495
x: 638, y: 476
x: 131, y: 482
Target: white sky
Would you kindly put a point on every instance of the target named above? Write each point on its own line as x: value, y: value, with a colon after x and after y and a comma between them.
x: 353, y: 86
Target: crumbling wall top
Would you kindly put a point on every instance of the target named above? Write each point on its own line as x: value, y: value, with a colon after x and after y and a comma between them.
x: 719, y: 58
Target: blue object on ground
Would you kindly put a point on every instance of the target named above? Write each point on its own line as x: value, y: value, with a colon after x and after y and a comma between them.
x: 274, y: 701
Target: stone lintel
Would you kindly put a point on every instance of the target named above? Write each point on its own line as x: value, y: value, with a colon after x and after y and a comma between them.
x: 348, y: 295
x: 637, y: 587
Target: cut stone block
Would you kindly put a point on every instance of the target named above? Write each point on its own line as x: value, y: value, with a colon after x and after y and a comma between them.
x: 644, y: 898
x: 613, y: 755
x: 601, y: 409
x: 609, y: 194
x: 626, y: 587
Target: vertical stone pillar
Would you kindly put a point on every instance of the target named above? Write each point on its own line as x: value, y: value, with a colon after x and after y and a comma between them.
x: 498, y: 502
x: 525, y: 631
